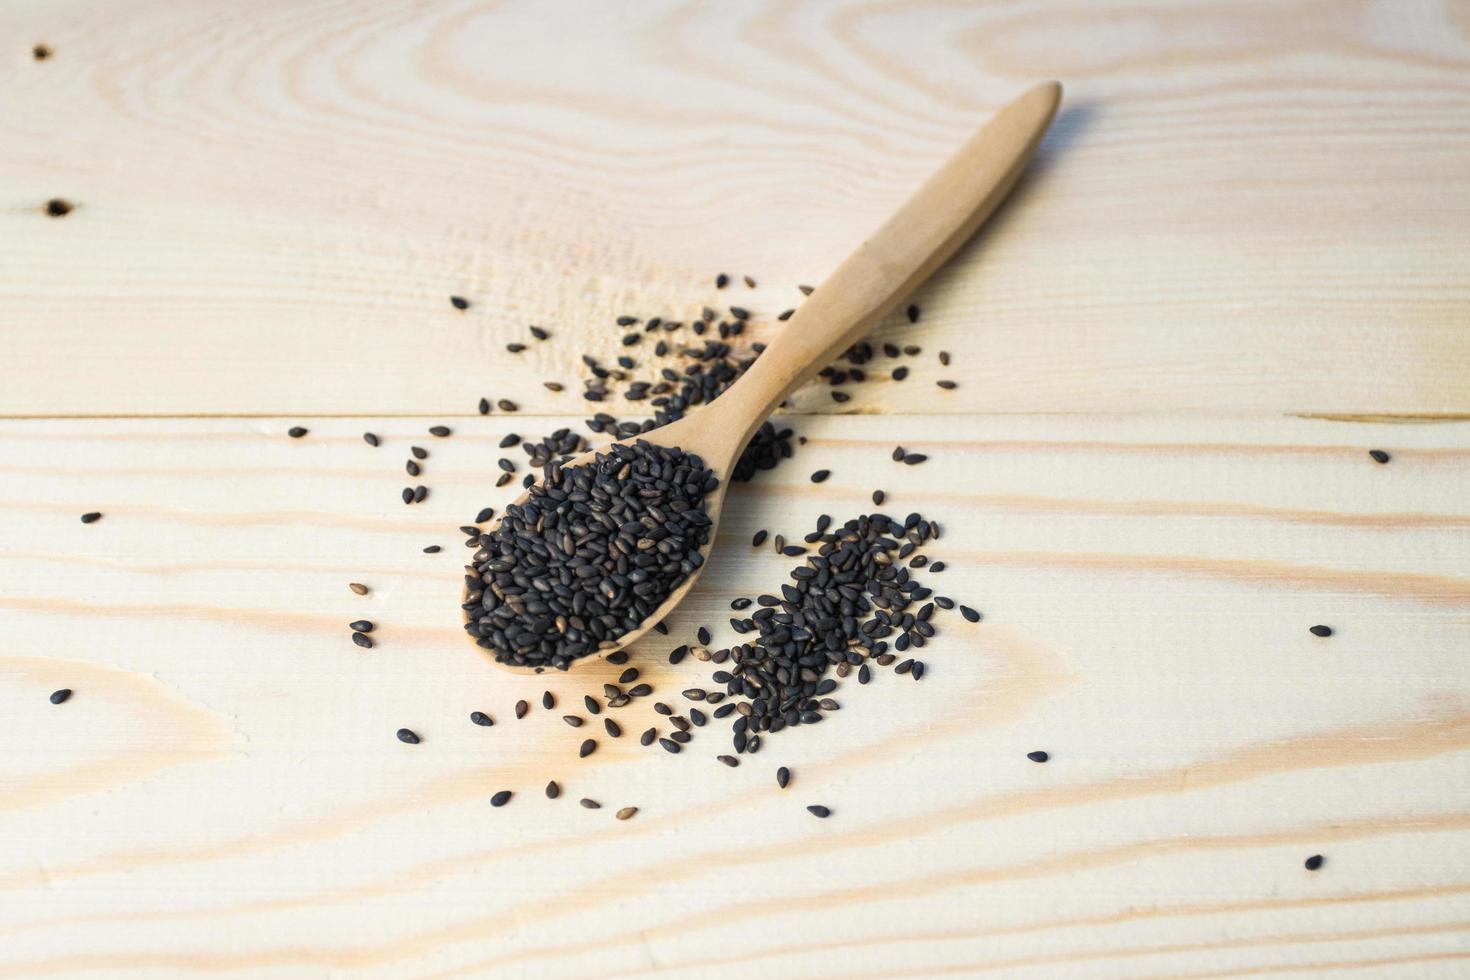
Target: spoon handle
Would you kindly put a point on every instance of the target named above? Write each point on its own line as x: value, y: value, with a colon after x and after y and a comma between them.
x: 919, y: 238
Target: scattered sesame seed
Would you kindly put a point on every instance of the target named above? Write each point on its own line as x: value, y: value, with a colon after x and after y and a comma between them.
x: 1038, y: 756
x: 57, y: 697
x: 407, y: 736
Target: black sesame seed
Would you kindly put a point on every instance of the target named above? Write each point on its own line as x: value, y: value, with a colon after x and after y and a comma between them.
x: 433, y: 549
x: 407, y: 736
x: 588, y: 747
x: 783, y: 777
x: 362, y: 640
x: 459, y: 302
x: 91, y: 517
x: 484, y: 515
x: 59, y: 207
x: 481, y: 719
x: 552, y: 790
x: 548, y: 700
x: 913, y: 313
x: 1038, y: 756
x: 817, y: 810
x: 420, y: 494
x: 58, y: 697
x: 1321, y: 631
x: 878, y: 497
x: 521, y: 708
x: 590, y: 703
x: 538, y: 333
x: 369, y: 438
x: 296, y: 432
x: 587, y: 804
x: 484, y: 406
x: 362, y: 626
x: 1379, y: 456
x: 439, y: 430
x: 612, y: 727
x: 820, y: 475
x: 969, y: 614
x: 647, y: 737
x: 721, y: 281
x: 1313, y: 863
x: 947, y: 385
x: 501, y: 798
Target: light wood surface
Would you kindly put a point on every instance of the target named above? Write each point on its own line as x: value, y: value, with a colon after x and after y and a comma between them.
x: 224, y: 791
x: 1245, y: 206
x: 1238, y: 263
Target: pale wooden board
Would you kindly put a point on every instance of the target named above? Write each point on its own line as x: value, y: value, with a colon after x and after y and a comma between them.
x: 223, y: 794
x: 1244, y: 206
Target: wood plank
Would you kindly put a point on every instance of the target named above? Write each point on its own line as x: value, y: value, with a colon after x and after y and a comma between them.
x: 224, y: 793
x: 1244, y: 206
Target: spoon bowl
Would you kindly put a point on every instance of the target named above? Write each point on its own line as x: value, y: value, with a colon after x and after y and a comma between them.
x: 920, y: 237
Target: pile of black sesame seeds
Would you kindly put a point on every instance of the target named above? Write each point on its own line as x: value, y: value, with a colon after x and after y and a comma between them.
x: 590, y: 554
x: 837, y: 613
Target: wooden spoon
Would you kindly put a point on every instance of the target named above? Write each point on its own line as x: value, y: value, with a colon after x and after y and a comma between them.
x: 923, y: 234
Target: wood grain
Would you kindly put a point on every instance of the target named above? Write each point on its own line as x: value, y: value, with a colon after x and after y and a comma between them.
x: 223, y: 793
x: 1245, y: 206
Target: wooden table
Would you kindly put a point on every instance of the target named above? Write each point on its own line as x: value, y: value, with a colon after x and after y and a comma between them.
x: 1241, y: 261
